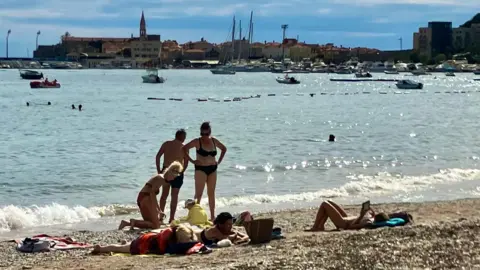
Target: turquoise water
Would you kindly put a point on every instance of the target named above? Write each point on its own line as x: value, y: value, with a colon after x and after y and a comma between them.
x: 60, y: 165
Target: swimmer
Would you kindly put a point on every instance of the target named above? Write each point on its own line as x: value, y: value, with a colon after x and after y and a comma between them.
x: 331, y: 138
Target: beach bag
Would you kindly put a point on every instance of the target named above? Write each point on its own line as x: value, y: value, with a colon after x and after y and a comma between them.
x: 403, y: 215
x: 259, y: 230
x: 34, y: 245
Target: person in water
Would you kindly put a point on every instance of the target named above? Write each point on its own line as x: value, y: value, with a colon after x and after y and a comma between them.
x: 206, y: 164
x: 338, y: 216
x: 73, y: 107
x: 152, y: 243
x: 147, y: 199
x: 80, y: 107
x: 172, y: 151
x: 221, y: 230
x: 331, y: 138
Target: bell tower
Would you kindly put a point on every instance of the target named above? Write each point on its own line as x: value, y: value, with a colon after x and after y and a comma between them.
x: 143, y: 27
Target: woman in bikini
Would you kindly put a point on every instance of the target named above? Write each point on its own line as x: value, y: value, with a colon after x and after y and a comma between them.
x: 147, y: 199
x: 221, y: 230
x: 338, y: 216
x: 206, y: 164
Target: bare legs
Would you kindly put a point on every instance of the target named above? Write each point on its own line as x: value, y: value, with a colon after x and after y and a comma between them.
x: 149, y: 213
x: 164, y: 196
x: 211, y: 185
x: 334, y: 212
x: 173, y: 203
x: 112, y: 248
x: 211, y: 181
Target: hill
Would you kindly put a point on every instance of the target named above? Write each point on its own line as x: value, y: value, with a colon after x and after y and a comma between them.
x: 475, y: 19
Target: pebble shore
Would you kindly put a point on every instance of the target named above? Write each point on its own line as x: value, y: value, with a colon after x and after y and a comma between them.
x: 446, y: 235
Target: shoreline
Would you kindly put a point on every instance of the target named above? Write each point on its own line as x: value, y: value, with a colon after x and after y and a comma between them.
x: 445, y: 235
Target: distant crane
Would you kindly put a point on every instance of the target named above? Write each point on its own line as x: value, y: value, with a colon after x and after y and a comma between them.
x: 284, y: 27
x: 401, y: 44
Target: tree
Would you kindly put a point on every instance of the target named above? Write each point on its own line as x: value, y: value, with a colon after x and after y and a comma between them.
x: 414, y: 57
x: 423, y: 58
x: 67, y: 34
x: 440, y: 58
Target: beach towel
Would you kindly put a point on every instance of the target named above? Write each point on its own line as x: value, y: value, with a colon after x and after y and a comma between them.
x: 393, y: 222
x: 54, y: 243
x: 175, y: 249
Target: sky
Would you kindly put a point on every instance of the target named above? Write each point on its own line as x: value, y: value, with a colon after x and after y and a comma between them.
x: 351, y: 23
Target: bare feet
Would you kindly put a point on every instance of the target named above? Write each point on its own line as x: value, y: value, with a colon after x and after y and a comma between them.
x: 123, y: 224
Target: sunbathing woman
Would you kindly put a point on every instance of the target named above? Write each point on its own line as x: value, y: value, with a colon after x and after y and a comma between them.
x: 152, y: 243
x: 147, y: 199
x: 339, y: 217
x: 206, y: 164
x: 222, y: 230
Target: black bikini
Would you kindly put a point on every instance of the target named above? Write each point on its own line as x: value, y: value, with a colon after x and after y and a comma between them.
x: 204, y: 153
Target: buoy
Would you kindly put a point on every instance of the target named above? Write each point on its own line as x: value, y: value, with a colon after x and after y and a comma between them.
x: 323, y: 94
x: 365, y: 92
x: 201, y: 100
x: 271, y: 95
x: 237, y: 99
x: 227, y: 100
x: 153, y: 98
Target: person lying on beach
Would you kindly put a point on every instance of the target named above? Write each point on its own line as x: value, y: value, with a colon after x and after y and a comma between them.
x: 152, y: 243
x: 196, y: 215
x: 338, y: 216
x: 222, y: 230
x: 147, y: 199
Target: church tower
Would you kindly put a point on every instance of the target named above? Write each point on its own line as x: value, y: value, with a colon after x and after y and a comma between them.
x: 143, y: 27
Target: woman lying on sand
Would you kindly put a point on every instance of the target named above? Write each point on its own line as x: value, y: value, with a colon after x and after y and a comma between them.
x: 222, y: 230
x: 340, y: 219
x: 152, y: 243
x: 147, y: 199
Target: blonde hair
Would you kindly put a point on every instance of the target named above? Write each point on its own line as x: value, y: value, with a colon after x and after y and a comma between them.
x: 185, y: 233
x: 177, y: 166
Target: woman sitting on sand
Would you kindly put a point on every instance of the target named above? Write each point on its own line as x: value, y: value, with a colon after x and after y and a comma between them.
x: 152, y: 243
x: 221, y: 230
x: 340, y: 219
x: 147, y: 199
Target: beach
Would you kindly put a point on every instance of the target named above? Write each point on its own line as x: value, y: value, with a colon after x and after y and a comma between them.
x: 445, y: 235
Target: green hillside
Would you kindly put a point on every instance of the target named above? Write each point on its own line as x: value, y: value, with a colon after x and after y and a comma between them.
x: 475, y: 19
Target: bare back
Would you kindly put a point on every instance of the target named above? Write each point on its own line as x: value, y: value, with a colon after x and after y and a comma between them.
x: 154, y: 184
x: 172, y: 152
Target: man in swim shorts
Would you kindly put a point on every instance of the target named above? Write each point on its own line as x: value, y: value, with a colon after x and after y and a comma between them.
x: 172, y: 151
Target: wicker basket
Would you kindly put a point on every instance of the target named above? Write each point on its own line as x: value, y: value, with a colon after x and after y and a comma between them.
x: 259, y: 230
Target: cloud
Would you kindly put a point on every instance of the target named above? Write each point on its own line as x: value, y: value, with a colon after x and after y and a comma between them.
x: 324, y: 11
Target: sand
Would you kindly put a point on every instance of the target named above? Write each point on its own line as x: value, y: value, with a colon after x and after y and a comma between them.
x: 446, y: 235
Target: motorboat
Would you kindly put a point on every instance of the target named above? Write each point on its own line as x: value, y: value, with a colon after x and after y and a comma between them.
x: 287, y: 80
x: 408, y: 84
x: 476, y: 72
x: 31, y: 74
x: 343, y: 71
x: 223, y: 71
x: 44, y: 84
x: 152, y: 76
x: 391, y: 72
x: 363, y: 75
x: 450, y: 74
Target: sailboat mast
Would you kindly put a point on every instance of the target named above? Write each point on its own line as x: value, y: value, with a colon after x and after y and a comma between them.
x: 233, y: 39
x: 250, y: 35
x: 240, y: 40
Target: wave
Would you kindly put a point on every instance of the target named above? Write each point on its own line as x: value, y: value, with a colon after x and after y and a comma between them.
x: 17, y: 217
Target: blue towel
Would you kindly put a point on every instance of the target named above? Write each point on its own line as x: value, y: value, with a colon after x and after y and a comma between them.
x: 393, y: 222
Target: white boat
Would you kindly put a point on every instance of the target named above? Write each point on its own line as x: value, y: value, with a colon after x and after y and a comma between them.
x: 152, y: 76
x: 450, y: 74
x: 408, y: 84
x: 287, y: 80
x: 391, y: 72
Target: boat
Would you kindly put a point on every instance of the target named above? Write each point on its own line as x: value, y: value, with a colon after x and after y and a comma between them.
x: 287, y: 80
x: 152, y: 76
x: 450, y: 74
x: 31, y: 74
x: 363, y: 75
x: 228, y: 69
x: 476, y: 72
x: 391, y: 72
x: 44, y: 84
x: 223, y: 71
x: 408, y: 84
x: 343, y: 71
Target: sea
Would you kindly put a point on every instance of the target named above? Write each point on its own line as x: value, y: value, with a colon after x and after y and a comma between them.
x: 64, y: 170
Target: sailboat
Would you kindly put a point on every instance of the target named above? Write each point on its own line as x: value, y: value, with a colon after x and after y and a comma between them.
x: 227, y: 69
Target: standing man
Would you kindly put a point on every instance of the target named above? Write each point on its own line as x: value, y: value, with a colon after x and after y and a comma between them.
x: 172, y: 151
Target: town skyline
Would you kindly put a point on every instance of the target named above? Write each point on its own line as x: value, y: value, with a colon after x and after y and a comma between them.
x: 364, y: 23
